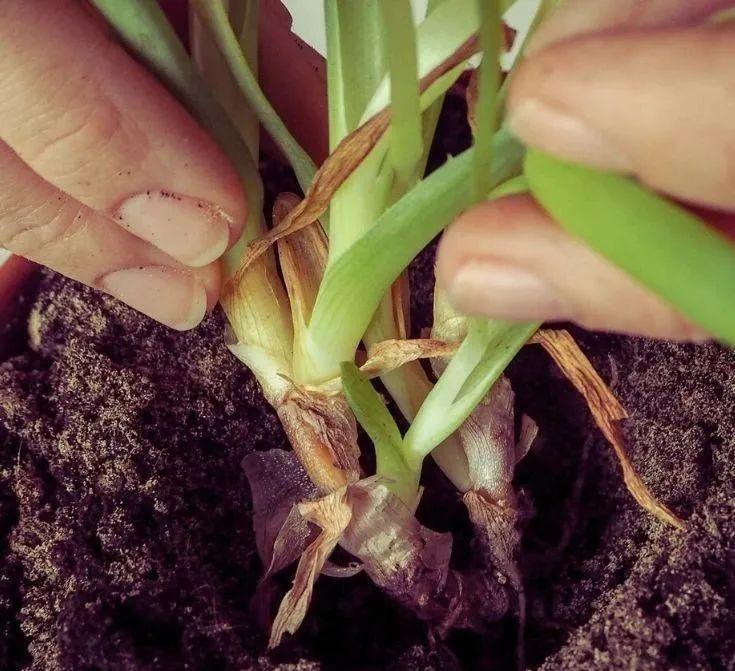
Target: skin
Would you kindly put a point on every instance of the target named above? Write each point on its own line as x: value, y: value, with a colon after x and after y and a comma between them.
x: 639, y: 87
x: 106, y: 178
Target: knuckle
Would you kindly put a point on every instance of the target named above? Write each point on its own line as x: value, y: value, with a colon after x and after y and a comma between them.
x: 34, y: 231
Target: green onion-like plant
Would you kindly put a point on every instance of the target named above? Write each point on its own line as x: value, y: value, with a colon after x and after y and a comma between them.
x: 328, y: 277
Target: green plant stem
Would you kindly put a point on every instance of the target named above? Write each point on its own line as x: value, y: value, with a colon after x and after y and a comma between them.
x: 214, y: 16
x: 487, y: 99
x: 356, y: 62
x: 375, y: 418
x: 660, y: 244
x: 483, y: 356
x: 356, y: 283
x: 406, y: 141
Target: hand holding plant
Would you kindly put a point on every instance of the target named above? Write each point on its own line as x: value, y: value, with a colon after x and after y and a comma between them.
x: 644, y: 89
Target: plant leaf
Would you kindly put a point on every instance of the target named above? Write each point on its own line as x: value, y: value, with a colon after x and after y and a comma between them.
x: 377, y: 421
x: 606, y: 411
x: 479, y: 362
x: 406, y: 141
x: 356, y: 62
x: 349, y: 296
x: 332, y: 514
x: 664, y: 247
x: 214, y: 16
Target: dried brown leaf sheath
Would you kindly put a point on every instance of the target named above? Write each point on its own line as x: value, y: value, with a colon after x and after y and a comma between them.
x: 323, y: 434
x: 336, y: 169
x: 606, y: 411
x: 332, y: 514
x: 487, y: 438
x: 303, y: 257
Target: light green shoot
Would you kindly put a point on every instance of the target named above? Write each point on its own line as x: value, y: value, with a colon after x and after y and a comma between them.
x: 487, y: 103
x: 662, y: 245
x: 406, y: 141
x: 375, y: 418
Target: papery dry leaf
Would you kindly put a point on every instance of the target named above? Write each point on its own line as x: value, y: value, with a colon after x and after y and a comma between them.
x: 402, y: 557
x: 277, y: 483
x: 526, y: 438
x: 401, y: 295
x: 331, y: 514
x: 497, y: 522
x: 349, y: 571
x: 412, y: 563
x: 345, y: 159
x: 449, y: 325
x: 323, y: 433
x: 303, y: 257
x: 487, y: 438
x: 389, y: 355
x: 606, y: 411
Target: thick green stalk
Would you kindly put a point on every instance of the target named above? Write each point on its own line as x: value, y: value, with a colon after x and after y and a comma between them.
x: 660, y: 244
x: 481, y: 359
x: 486, y: 112
x: 375, y: 418
x: 356, y: 283
x: 356, y: 62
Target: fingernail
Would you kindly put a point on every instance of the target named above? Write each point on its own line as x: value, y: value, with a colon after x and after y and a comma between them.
x: 566, y: 136
x: 505, y: 292
x: 173, y: 297
x: 192, y: 231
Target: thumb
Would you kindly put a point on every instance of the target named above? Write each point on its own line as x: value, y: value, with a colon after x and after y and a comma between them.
x: 658, y: 103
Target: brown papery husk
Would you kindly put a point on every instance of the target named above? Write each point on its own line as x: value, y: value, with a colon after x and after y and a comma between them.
x: 606, y: 411
x: 389, y: 355
x: 405, y: 559
x: 323, y: 433
x: 344, y: 160
x: 277, y: 483
x: 331, y: 514
x: 303, y: 258
x: 412, y: 563
x: 321, y: 428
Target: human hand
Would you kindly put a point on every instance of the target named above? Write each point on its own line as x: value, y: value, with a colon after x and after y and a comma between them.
x: 106, y: 178
x: 642, y: 87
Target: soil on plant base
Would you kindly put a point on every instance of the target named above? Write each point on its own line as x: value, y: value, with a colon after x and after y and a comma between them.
x: 126, y: 541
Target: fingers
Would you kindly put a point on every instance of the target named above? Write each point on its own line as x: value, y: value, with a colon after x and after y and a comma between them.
x: 91, y: 121
x: 577, y: 17
x: 658, y: 104
x: 44, y: 224
x: 507, y: 259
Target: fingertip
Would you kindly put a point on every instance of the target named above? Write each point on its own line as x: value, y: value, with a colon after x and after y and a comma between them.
x: 173, y: 297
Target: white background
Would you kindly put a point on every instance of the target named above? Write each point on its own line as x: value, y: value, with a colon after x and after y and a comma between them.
x: 308, y: 16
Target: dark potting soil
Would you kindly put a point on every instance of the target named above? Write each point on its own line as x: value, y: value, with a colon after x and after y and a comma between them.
x: 125, y: 531
x: 125, y: 519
